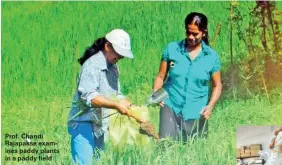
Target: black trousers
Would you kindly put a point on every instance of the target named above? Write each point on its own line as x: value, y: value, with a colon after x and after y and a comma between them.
x: 175, y: 127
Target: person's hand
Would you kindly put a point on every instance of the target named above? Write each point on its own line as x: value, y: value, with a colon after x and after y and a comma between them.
x: 207, y: 111
x: 271, y: 146
x: 122, y: 108
x: 161, y: 104
x: 125, y: 102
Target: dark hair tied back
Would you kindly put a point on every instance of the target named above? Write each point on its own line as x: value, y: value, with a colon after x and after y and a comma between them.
x: 98, y: 45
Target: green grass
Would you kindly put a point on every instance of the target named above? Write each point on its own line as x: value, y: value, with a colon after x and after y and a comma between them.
x: 49, y: 118
x: 41, y: 42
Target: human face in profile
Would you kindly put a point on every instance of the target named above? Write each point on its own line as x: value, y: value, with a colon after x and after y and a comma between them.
x: 112, y: 56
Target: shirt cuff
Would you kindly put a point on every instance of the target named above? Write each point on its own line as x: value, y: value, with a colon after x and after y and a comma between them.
x: 89, y: 98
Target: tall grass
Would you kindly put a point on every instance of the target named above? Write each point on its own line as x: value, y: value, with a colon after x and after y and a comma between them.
x: 41, y: 42
x: 49, y: 118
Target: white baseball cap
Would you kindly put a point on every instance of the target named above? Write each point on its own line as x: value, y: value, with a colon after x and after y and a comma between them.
x: 121, y: 42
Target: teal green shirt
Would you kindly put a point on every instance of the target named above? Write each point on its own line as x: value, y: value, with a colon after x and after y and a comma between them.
x: 188, y: 80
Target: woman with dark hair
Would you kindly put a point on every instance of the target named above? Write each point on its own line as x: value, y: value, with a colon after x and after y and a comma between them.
x: 98, y: 90
x: 186, y: 68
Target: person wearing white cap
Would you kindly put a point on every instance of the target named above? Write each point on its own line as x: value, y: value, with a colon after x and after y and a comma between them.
x: 98, y: 90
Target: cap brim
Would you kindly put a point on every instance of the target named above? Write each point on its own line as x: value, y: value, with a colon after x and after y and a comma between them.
x: 123, y: 52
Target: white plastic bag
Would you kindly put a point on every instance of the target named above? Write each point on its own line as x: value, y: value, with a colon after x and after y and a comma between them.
x: 125, y: 130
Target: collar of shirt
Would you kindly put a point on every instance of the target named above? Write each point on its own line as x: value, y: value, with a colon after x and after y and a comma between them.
x: 183, y: 45
x: 100, y: 62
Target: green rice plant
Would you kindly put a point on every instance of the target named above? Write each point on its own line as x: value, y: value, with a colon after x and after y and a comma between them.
x: 43, y: 40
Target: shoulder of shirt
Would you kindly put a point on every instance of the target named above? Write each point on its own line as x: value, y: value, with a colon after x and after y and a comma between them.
x: 96, y: 61
x: 174, y: 45
x: 211, y: 51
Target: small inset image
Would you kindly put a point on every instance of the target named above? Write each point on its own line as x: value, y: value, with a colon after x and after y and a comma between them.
x: 259, y: 145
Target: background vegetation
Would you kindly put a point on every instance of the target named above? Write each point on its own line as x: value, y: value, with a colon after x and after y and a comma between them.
x: 41, y: 42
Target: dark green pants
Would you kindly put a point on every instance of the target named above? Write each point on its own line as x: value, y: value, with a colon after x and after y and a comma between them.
x: 175, y: 127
